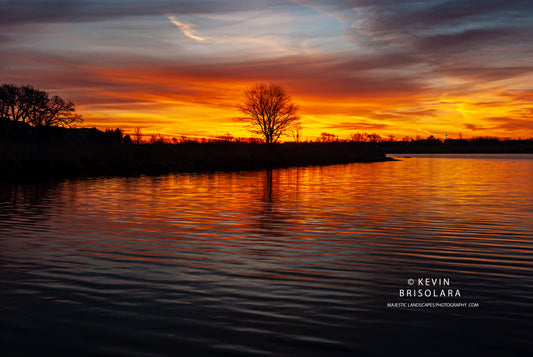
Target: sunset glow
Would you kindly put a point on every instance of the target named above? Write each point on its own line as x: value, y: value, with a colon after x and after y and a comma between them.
x: 405, y: 68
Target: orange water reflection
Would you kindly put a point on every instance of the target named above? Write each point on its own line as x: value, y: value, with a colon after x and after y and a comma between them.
x: 284, y: 254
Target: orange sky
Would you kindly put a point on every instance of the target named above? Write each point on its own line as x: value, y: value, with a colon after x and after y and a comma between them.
x: 442, y: 68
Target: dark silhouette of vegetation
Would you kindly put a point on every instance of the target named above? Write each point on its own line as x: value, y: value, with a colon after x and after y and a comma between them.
x: 36, y: 107
x: 364, y: 137
x: 328, y: 138
x: 137, y: 136
x: 433, y: 145
x: 28, y: 152
x: 36, y: 141
x: 270, y: 111
x: 296, y: 131
x: 113, y: 135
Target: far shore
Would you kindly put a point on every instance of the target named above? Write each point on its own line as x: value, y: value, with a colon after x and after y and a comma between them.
x: 28, y: 153
x: 459, y: 146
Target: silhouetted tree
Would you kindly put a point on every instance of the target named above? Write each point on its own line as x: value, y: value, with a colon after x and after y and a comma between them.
x: 10, y: 102
x: 36, y: 107
x: 269, y: 110
x: 375, y: 138
x: 357, y: 137
x: 137, y: 135
x: 33, y: 104
x: 296, y: 131
x: 326, y: 137
x: 57, y: 112
x: 225, y: 138
x: 3, y: 105
x: 160, y: 139
x: 113, y: 135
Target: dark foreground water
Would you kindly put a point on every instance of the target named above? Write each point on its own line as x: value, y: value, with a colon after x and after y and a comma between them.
x: 293, y: 262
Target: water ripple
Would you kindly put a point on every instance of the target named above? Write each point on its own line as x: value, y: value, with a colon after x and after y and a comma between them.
x: 295, y: 261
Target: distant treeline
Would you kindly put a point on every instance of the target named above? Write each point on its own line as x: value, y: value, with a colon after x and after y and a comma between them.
x: 432, y: 144
x: 28, y: 153
x: 473, y: 145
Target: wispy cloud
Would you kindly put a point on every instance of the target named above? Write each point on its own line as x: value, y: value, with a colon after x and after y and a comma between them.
x: 409, y: 67
x: 187, y: 29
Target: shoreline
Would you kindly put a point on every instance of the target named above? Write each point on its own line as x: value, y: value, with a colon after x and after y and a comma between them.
x: 39, y: 161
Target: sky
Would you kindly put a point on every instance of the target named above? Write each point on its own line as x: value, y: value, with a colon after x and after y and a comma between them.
x: 180, y: 68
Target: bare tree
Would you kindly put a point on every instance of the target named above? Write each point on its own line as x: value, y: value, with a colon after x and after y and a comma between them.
x: 374, y: 138
x: 357, y: 137
x: 53, y: 112
x: 158, y: 139
x: 35, y: 107
x: 137, y: 135
x: 269, y: 110
x: 10, y: 99
x: 327, y: 137
x: 4, y: 108
x: 33, y: 104
x: 296, y: 131
x: 228, y: 138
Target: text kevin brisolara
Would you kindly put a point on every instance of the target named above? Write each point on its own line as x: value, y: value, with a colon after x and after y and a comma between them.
x: 429, y: 288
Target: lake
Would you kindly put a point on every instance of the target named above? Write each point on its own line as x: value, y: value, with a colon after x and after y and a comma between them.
x: 342, y: 260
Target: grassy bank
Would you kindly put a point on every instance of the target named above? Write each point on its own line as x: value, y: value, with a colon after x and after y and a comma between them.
x: 30, y: 153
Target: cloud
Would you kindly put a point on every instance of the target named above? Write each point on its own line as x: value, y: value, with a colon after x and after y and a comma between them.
x: 415, y: 63
x: 519, y: 95
x: 511, y: 125
x: 358, y: 126
x: 413, y: 16
x: 327, y: 76
x: 523, y: 113
x: 187, y: 29
x: 471, y: 127
x: 468, y: 40
x: 406, y: 116
x: 22, y: 12
x: 474, y: 41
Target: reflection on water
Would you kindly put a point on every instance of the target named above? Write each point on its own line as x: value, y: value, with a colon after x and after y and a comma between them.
x: 297, y: 261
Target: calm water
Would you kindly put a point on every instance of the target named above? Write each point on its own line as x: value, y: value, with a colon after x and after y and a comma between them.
x: 292, y: 262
